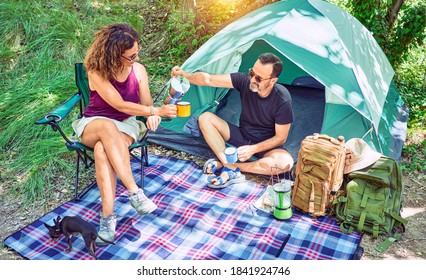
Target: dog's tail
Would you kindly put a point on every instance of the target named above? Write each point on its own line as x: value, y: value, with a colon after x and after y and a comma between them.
x: 104, y: 240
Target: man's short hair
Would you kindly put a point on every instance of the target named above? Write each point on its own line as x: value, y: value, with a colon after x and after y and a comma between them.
x: 270, y: 58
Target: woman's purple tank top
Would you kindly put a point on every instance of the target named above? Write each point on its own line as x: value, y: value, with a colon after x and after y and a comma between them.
x: 129, y: 91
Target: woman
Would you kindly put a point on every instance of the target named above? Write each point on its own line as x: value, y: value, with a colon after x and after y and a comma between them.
x: 118, y: 92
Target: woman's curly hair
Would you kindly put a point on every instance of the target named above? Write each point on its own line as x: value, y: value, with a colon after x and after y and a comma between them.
x: 109, y: 44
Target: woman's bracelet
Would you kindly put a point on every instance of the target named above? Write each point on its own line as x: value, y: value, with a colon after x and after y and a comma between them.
x: 151, y: 110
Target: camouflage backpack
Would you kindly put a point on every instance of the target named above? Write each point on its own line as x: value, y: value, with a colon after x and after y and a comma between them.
x: 319, y: 173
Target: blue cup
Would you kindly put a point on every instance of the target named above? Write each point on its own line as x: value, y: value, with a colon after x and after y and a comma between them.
x: 231, y: 154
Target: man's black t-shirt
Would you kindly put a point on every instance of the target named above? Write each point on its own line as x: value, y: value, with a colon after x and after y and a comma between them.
x: 260, y: 114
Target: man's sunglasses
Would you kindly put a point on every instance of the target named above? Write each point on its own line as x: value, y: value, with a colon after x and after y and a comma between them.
x: 133, y: 57
x: 257, y: 78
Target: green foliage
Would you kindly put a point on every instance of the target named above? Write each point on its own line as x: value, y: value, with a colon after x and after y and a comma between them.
x: 408, y: 33
x: 410, y: 79
x: 179, y: 38
x: 398, y: 38
x: 414, y: 155
x: 35, y: 56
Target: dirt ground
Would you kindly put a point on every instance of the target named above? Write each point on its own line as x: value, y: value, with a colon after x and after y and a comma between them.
x: 14, y: 216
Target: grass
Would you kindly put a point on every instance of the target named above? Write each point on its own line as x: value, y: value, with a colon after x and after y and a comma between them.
x: 37, y: 76
x: 41, y: 41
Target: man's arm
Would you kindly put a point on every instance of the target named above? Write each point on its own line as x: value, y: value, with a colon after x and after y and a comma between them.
x: 204, y: 79
x: 280, y: 137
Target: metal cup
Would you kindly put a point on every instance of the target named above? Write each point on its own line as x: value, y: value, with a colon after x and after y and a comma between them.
x: 183, y: 109
x: 181, y: 85
x: 231, y: 154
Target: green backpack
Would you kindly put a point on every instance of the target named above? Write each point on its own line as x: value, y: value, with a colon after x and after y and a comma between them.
x: 372, y: 201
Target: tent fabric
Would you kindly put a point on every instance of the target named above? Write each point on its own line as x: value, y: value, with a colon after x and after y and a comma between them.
x: 314, y: 39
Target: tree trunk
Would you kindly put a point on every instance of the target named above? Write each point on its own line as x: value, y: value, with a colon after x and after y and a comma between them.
x: 393, y: 11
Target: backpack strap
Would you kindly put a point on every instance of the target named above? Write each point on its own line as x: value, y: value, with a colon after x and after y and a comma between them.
x: 345, y: 227
x: 361, y: 222
x: 398, y: 218
x: 388, y: 242
x: 312, y: 199
x: 363, y: 205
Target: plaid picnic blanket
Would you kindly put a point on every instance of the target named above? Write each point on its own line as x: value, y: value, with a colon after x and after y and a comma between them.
x: 192, y: 222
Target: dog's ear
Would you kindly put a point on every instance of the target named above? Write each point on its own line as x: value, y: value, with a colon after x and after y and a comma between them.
x: 58, y: 219
x: 47, y: 226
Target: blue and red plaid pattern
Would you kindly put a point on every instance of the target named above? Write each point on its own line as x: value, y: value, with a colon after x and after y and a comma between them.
x: 192, y: 222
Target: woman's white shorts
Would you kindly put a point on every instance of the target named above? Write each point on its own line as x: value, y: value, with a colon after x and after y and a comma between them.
x: 131, y: 126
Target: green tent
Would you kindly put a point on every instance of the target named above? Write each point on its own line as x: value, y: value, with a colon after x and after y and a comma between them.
x: 340, y: 80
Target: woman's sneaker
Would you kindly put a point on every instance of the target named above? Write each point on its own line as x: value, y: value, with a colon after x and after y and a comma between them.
x: 141, y: 203
x: 106, y: 229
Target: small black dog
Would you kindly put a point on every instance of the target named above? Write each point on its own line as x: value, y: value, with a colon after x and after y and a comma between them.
x: 73, y: 225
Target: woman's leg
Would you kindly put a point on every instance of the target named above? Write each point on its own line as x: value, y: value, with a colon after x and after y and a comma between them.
x: 106, y: 178
x: 115, y: 153
x: 111, y: 147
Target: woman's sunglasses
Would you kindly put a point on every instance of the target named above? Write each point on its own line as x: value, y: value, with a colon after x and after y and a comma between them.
x: 133, y: 57
x: 257, y: 78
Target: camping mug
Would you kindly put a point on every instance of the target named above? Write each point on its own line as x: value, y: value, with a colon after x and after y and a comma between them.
x: 231, y: 154
x: 282, y: 192
x: 183, y: 109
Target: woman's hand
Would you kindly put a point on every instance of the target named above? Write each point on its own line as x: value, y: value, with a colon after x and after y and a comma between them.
x: 152, y: 122
x: 167, y: 111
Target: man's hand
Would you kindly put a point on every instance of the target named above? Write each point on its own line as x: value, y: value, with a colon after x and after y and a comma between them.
x: 245, y: 152
x: 177, y: 71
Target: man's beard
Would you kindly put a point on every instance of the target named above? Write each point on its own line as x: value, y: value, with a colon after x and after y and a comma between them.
x: 254, y: 87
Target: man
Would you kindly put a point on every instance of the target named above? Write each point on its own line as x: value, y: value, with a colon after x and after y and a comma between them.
x: 265, y: 121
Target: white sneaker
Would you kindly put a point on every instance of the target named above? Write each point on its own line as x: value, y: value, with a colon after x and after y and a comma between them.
x: 106, y: 229
x: 141, y: 203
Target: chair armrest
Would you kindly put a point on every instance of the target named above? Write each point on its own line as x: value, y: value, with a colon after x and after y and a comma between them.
x: 58, y: 114
x: 143, y: 119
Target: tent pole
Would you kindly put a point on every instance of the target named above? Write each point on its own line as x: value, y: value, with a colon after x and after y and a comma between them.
x: 371, y: 130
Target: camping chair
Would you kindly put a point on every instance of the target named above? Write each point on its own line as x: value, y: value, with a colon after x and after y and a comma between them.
x: 84, y: 153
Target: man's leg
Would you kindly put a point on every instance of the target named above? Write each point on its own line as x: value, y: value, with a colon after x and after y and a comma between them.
x: 274, y: 162
x: 216, y: 133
